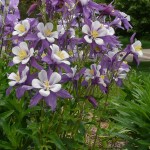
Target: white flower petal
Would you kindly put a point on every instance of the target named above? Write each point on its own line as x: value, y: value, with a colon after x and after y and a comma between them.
x: 12, y: 76
x: 40, y: 27
x: 55, y: 34
x: 41, y: 36
x: 51, y: 39
x: 140, y: 53
x: 66, y: 62
x: 23, y: 79
x: 66, y: 55
x: 96, y: 25
x: 103, y: 32
x: 88, y: 40
x: 25, y: 60
x: 54, y: 78
x: 44, y: 93
x: 15, y: 50
x: 111, y: 31
x: 43, y: 76
x: 26, y: 24
x: 31, y: 52
x: 16, y: 60
x: 55, y: 48
x: 99, y: 41
x: 24, y: 46
x: 49, y: 26
x: 12, y: 83
x: 15, y: 33
x: 55, y: 87
x: 24, y: 72
x: 17, y: 26
x: 86, y: 29
x: 37, y: 84
x: 137, y: 43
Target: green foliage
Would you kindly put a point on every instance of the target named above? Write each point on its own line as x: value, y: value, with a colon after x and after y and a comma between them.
x: 139, y: 12
x: 134, y: 114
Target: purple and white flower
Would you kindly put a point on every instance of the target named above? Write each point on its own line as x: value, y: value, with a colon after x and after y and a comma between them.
x: 59, y: 56
x: 92, y: 72
x: 46, y: 32
x: 21, y: 28
x: 18, y: 78
x: 47, y: 84
x: 136, y: 48
x: 23, y: 53
x: 95, y: 33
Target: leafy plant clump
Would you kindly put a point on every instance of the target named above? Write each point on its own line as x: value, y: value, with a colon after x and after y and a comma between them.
x: 134, y: 115
x: 63, y: 64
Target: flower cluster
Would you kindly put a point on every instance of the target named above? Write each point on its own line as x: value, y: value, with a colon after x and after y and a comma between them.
x: 74, y: 44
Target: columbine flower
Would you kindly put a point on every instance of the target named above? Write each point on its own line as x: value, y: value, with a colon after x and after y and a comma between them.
x: 47, y: 84
x: 19, y: 77
x: 72, y: 73
x: 94, y: 33
x: 59, y: 56
x: 136, y: 48
x: 23, y: 53
x: 92, y: 72
x: 121, y: 73
x: 46, y: 32
x: 125, y: 16
x: 21, y: 28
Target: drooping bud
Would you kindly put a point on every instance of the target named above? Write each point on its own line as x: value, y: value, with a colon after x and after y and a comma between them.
x: 93, y: 101
x: 32, y: 8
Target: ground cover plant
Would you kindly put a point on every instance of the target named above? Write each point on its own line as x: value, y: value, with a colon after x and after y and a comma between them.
x: 63, y: 65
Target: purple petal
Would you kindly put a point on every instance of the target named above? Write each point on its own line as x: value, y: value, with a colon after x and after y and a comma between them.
x: 8, y: 91
x: 35, y: 64
x: 21, y: 90
x: 132, y: 38
x: 35, y: 100
x: 51, y: 101
x: 93, y: 101
x: 63, y: 94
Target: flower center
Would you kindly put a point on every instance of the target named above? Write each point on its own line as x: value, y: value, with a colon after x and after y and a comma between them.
x: 138, y: 48
x: 22, y: 54
x: 43, y: 55
x: 48, y: 32
x: 46, y: 85
x: 17, y: 77
x: 94, y: 33
x: 102, y: 77
x: 21, y: 28
x: 92, y: 72
x: 60, y: 54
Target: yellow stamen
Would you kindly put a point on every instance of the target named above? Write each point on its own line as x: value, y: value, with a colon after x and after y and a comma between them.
x: 92, y: 72
x: 97, y: 49
x: 102, y: 77
x: 94, y: 33
x: 60, y: 54
x: 17, y: 77
x: 101, y: 26
x: 125, y: 62
x: 21, y: 28
x: 71, y: 53
x: 43, y: 55
x: 138, y: 48
x: 48, y: 32
x: 46, y: 84
x: 22, y: 54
